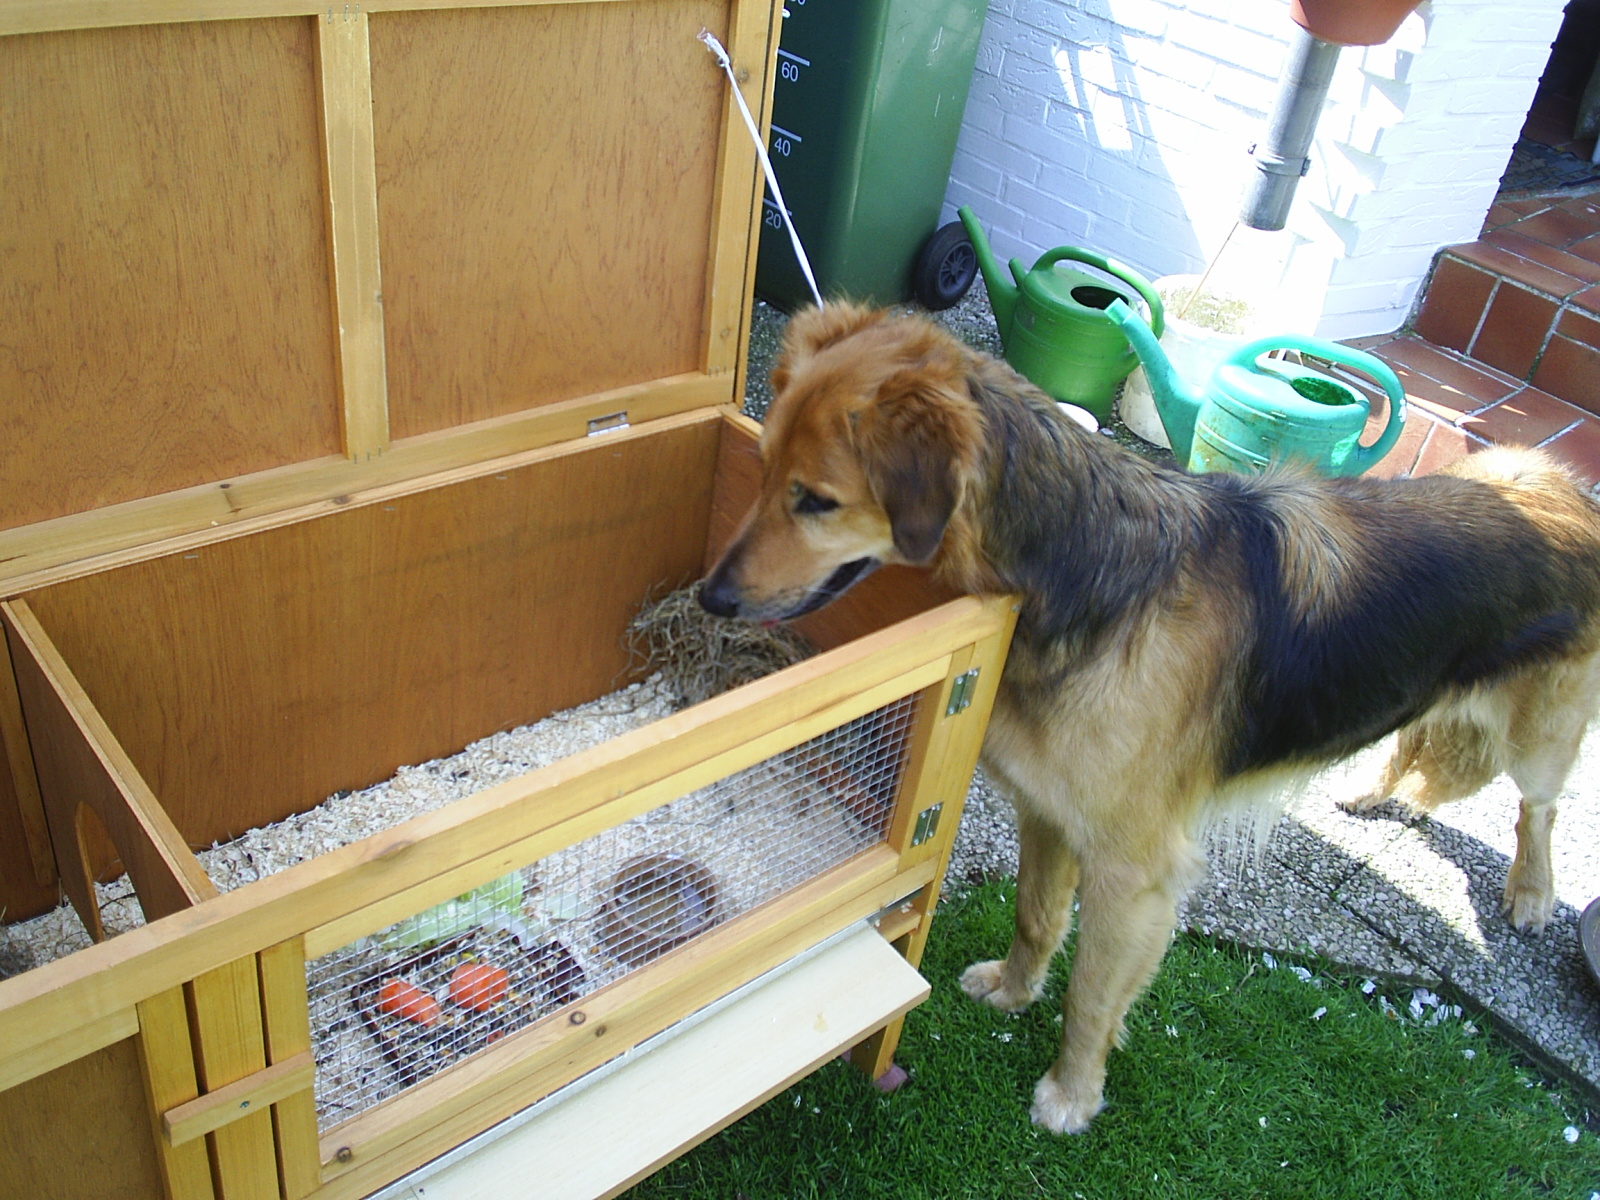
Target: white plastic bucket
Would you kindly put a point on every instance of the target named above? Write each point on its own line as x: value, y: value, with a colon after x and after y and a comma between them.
x: 1193, y: 349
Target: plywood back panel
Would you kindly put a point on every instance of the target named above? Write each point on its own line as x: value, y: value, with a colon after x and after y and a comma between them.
x: 251, y: 678
x: 82, y: 1130
x: 22, y: 895
x: 164, y: 303
x: 27, y: 862
x: 544, y: 201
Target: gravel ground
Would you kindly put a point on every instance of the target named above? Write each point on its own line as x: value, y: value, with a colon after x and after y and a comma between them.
x: 1412, y: 899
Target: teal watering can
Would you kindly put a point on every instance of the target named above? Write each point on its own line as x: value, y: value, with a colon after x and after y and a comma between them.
x: 1053, y: 322
x: 1253, y: 412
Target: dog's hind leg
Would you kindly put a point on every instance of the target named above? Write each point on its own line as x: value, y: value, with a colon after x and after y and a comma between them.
x: 1047, y: 873
x: 1440, y: 757
x: 1407, y: 747
x: 1544, y: 739
x: 1125, y: 920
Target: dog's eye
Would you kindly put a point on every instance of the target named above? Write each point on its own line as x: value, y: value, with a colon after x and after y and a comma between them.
x: 807, y: 501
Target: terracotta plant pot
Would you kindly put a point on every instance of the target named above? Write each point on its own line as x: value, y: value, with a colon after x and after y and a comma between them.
x: 1351, y: 22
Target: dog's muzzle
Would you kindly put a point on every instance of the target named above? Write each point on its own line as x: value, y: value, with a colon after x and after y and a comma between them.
x: 720, y: 597
x: 842, y: 579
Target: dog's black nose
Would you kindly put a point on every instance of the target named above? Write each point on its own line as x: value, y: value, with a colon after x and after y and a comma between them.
x: 717, y: 598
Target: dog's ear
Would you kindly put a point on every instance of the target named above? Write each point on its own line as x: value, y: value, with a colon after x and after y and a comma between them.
x: 916, y: 442
x: 813, y: 329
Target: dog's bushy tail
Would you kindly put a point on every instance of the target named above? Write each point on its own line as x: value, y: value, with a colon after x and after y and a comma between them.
x: 1239, y: 823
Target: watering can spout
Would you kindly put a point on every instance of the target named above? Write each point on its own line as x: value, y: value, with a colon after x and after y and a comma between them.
x: 1002, y: 291
x: 1177, y: 404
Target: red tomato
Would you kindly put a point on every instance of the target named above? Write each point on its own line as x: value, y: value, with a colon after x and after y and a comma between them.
x: 478, y: 986
x: 401, y: 999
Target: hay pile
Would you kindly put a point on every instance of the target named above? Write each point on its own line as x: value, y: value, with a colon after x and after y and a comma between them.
x: 699, y: 656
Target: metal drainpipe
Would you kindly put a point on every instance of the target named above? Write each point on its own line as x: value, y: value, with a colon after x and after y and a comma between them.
x: 1281, y: 155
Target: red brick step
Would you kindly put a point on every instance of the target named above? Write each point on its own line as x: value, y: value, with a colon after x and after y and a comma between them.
x: 1457, y: 406
x: 1524, y: 298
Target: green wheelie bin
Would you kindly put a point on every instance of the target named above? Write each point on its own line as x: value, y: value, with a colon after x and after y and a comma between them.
x: 866, y: 108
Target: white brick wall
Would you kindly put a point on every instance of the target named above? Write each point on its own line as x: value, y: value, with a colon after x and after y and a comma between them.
x: 1124, y: 126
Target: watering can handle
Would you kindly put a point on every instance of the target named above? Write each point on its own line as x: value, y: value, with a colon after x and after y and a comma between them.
x: 1158, y: 314
x: 1374, y: 368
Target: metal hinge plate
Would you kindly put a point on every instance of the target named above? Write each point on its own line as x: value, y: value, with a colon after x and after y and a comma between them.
x: 927, y: 824
x: 610, y: 423
x: 961, y: 689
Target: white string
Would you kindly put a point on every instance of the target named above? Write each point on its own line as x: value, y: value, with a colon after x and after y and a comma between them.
x: 716, y: 49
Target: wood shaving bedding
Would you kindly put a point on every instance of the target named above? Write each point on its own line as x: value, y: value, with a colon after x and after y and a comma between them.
x: 348, y: 817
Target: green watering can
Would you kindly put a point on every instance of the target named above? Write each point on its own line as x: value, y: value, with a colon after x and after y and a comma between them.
x: 1053, y: 322
x: 1254, y: 412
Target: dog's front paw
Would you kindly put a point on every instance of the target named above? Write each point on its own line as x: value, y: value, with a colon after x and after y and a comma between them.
x: 1362, y: 802
x: 1528, y: 907
x: 986, y: 981
x: 1060, y: 1110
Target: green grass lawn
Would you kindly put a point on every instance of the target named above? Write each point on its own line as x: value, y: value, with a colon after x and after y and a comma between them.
x: 1231, y: 1085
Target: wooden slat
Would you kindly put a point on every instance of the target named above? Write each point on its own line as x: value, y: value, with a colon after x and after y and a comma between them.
x: 566, y: 828
x: 80, y: 762
x: 83, y: 987
x: 902, y: 921
x: 434, y: 1115
x: 44, y: 16
x: 614, y: 1132
x: 24, y: 782
x: 742, y: 353
x: 165, y: 299
x: 944, y: 753
x: 926, y: 782
x: 545, y: 201
x: 945, y: 772
x: 751, y: 42
x: 922, y: 785
x: 242, y: 1098
x: 225, y: 1015
x: 352, y: 179
x: 70, y: 547
x: 167, y: 1056
x: 288, y: 1031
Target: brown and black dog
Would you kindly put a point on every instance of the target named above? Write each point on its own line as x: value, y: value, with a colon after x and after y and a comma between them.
x: 1187, y: 645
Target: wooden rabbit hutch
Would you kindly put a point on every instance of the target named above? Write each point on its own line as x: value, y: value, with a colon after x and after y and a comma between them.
x: 362, y: 370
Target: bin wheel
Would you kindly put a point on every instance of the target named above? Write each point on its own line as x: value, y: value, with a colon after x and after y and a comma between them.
x: 945, y: 268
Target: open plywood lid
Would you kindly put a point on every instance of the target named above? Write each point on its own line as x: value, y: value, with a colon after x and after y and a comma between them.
x: 255, y: 264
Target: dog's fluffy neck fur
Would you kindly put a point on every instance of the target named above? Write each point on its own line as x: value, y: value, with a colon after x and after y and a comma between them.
x: 1053, y: 557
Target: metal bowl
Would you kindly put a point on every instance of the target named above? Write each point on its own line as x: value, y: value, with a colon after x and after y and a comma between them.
x: 1589, y: 938
x: 656, y: 902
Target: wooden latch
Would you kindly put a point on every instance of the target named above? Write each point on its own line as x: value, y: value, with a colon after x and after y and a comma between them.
x: 208, y: 1113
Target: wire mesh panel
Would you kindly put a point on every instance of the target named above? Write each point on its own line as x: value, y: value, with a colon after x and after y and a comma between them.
x: 389, y: 1010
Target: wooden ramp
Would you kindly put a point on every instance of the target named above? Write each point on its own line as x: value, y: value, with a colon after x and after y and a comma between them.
x: 612, y: 1128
